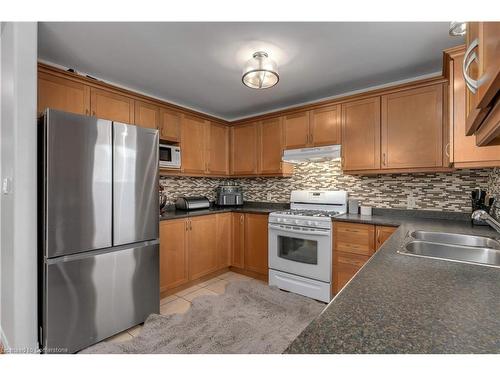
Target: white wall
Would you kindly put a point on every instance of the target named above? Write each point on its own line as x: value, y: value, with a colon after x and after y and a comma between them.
x: 18, y: 225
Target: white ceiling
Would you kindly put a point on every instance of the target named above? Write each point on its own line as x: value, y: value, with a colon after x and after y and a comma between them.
x: 199, y: 65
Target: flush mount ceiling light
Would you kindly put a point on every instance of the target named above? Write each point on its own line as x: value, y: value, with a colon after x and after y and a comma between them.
x: 458, y: 28
x: 260, y: 72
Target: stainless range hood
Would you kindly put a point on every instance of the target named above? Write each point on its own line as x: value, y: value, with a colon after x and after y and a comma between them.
x: 312, y: 154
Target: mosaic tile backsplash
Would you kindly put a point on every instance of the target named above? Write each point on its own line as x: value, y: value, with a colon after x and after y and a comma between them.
x: 431, y: 191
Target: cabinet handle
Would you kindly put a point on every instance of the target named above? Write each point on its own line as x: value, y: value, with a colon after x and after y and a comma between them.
x: 190, y: 225
x: 93, y: 113
x: 87, y: 112
x: 187, y: 225
x: 447, y: 150
x: 472, y: 84
x: 241, y: 219
x: 383, y: 158
x: 378, y: 236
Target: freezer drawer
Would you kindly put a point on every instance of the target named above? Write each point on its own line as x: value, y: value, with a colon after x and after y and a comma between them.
x: 77, y: 184
x: 89, y: 297
x: 135, y: 189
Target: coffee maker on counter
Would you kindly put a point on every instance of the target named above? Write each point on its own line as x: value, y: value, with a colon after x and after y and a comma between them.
x: 229, y: 194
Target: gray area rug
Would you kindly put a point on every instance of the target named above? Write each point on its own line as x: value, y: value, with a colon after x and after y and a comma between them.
x: 250, y: 317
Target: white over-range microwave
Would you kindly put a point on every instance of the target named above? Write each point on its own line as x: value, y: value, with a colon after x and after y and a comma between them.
x: 170, y: 156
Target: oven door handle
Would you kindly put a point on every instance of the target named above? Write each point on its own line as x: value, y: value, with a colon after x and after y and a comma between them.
x: 314, y: 232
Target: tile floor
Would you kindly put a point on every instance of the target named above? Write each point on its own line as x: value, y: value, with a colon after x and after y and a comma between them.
x: 180, y: 302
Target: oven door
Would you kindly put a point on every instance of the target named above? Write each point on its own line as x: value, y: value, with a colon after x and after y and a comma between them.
x: 301, y: 251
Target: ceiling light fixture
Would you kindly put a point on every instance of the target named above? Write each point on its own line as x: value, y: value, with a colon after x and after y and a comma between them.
x: 458, y: 28
x: 260, y: 72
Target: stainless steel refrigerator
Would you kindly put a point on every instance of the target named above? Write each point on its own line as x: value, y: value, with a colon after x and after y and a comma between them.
x: 99, y: 248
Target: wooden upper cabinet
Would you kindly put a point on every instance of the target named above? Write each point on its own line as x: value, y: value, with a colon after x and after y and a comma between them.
x: 173, y: 254
x: 244, y: 148
x: 256, y: 238
x: 218, y: 149
x: 170, y: 125
x: 146, y: 115
x: 271, y: 146
x: 193, y: 134
x: 202, y: 245
x: 465, y: 153
x: 296, y: 130
x: 361, y: 134
x: 325, y: 126
x: 485, y: 69
x: 62, y: 94
x: 412, y: 128
x: 111, y: 106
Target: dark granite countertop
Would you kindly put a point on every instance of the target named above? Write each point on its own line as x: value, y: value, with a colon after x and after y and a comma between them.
x: 248, y: 207
x: 403, y: 304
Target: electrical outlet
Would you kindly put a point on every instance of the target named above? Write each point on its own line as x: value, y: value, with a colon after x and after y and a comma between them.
x: 411, y: 202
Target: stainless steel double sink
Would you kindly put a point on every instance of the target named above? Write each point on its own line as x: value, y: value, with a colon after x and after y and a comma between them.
x: 453, y: 247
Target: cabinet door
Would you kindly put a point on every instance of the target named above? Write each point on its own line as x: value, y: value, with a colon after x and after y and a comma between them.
x: 224, y: 239
x: 382, y: 233
x: 202, y: 245
x: 296, y: 128
x: 465, y: 152
x: 361, y: 134
x: 218, y: 149
x: 244, y: 148
x: 412, y: 128
x: 345, y: 266
x: 256, y: 255
x: 238, y: 255
x: 111, y: 106
x: 146, y: 115
x: 173, y: 254
x: 170, y: 125
x: 325, y: 126
x: 62, y: 94
x: 193, y: 140
x: 271, y: 146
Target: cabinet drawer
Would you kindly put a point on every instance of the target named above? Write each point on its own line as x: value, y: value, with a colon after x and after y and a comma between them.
x: 351, y: 260
x: 354, y: 238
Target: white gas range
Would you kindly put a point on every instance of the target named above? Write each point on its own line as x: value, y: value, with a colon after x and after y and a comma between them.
x: 300, y: 243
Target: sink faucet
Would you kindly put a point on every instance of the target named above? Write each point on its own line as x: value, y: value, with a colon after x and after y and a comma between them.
x: 483, y: 215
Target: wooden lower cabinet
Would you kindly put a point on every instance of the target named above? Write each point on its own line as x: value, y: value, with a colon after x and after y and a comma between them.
x: 202, y: 244
x: 345, y: 267
x: 224, y: 239
x: 382, y: 233
x: 194, y: 247
x: 353, y: 245
x: 238, y: 248
x: 173, y: 254
x: 256, y: 241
